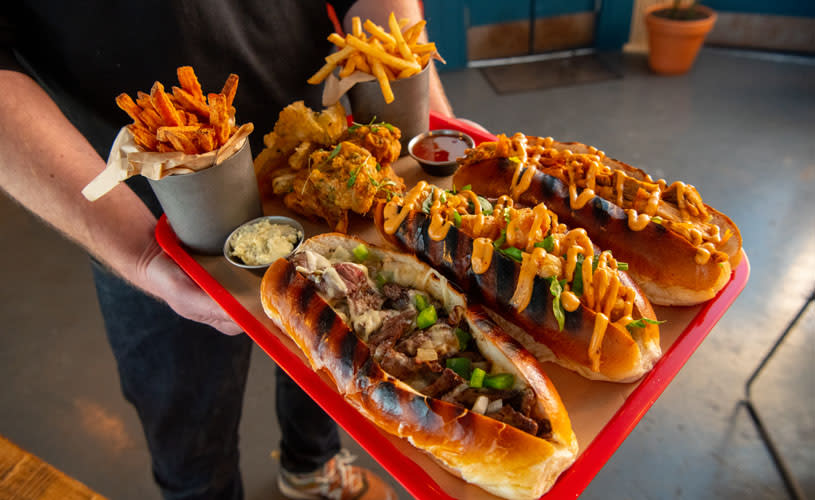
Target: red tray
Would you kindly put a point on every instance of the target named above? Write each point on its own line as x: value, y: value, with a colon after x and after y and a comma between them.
x: 413, y: 469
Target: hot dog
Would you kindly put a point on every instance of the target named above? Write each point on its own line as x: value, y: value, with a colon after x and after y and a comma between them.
x: 681, y: 251
x: 549, y: 286
x: 404, y: 348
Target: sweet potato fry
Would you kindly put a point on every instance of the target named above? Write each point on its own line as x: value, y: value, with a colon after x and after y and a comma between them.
x: 219, y: 117
x: 164, y: 147
x: 230, y: 88
x: 191, y: 103
x: 189, y: 82
x: 179, y: 137
x: 151, y: 119
x: 143, y: 137
x: 163, y: 105
x: 125, y: 102
x: 143, y: 100
x: 205, y: 140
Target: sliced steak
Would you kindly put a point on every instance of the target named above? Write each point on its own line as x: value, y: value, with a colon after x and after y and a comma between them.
x: 510, y: 416
x: 397, y: 295
x: 445, y: 383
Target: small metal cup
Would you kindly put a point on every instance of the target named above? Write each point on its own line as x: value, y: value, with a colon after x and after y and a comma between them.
x: 204, y: 207
x: 409, y: 111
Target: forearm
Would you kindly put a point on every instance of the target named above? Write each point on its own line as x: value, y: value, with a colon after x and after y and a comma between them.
x: 378, y: 12
x: 45, y: 164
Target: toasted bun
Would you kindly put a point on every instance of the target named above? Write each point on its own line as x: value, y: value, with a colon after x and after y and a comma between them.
x: 661, y: 261
x: 499, y: 458
x: 623, y: 359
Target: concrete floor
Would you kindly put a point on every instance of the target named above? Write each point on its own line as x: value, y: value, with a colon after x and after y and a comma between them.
x: 741, y: 129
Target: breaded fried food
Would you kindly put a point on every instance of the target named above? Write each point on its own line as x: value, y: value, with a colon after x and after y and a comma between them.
x: 381, y: 139
x: 297, y: 124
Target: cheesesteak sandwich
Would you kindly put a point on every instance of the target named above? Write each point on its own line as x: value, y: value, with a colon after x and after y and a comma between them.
x: 404, y: 348
x: 681, y: 251
x: 549, y: 286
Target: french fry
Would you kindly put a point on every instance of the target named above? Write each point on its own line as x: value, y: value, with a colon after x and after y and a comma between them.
x: 143, y: 100
x: 165, y: 108
x: 205, y: 139
x: 127, y: 105
x: 377, y: 32
x: 337, y: 40
x: 163, y: 147
x: 189, y: 82
x: 403, y: 22
x: 380, y: 54
x: 219, y: 117
x: 356, y: 27
x: 322, y: 74
x: 190, y: 102
x: 382, y: 78
x: 412, y: 34
x: 401, y: 46
x: 424, y: 48
x: 350, y: 66
x: 230, y: 88
x: 362, y: 62
x: 340, y: 55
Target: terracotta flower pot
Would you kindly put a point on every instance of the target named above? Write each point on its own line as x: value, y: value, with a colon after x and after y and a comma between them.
x: 674, y: 43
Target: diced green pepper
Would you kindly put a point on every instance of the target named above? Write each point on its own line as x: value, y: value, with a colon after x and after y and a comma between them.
x: 421, y: 302
x: 463, y: 338
x: 380, y: 280
x: 499, y: 381
x: 426, y: 318
x: 477, y: 378
x: 361, y: 252
x: 460, y: 365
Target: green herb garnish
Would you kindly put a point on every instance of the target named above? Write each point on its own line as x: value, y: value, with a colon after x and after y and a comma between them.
x: 513, y: 253
x: 456, y: 219
x: 353, y: 178
x: 501, y: 240
x: 577, y: 281
x: 547, y: 244
x: 334, y: 152
x: 640, y: 323
x: 622, y: 266
x: 556, y: 288
x: 468, y: 187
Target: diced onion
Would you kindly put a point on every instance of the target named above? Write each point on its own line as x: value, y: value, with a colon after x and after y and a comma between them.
x: 423, y: 354
x: 480, y: 405
x: 495, y: 405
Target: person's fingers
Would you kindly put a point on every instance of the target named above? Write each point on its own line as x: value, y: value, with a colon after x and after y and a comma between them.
x: 172, y: 285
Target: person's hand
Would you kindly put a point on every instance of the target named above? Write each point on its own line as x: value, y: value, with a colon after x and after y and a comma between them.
x: 168, y: 282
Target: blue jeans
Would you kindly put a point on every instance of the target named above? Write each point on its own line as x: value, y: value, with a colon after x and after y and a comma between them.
x: 187, y: 381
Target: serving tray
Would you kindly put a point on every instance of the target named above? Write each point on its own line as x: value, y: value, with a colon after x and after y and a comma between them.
x: 602, y: 413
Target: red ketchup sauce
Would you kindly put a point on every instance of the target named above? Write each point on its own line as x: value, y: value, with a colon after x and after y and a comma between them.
x: 440, y: 148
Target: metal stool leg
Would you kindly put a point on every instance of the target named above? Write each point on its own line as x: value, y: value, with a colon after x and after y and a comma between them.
x: 789, y: 481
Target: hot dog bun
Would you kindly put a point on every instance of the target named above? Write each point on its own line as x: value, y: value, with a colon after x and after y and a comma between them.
x: 619, y: 344
x: 498, y: 457
x: 681, y: 253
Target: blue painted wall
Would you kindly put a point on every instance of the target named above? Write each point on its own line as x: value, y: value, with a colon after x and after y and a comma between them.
x: 797, y: 8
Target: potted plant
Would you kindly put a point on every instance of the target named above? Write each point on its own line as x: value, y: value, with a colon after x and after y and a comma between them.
x: 675, y: 35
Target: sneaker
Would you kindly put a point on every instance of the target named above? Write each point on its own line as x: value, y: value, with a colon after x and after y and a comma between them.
x: 336, y: 480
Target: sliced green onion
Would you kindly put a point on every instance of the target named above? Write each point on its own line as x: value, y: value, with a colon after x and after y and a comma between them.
x: 656, y: 219
x: 501, y: 239
x: 361, y: 252
x: 426, y: 318
x: 334, y: 152
x: 640, y: 323
x: 459, y: 365
x: 477, y: 378
x: 556, y: 288
x: 353, y: 178
x: 388, y: 126
x: 463, y: 338
x: 513, y: 253
x: 499, y: 381
x: 456, y: 219
x: 547, y: 244
x: 622, y: 266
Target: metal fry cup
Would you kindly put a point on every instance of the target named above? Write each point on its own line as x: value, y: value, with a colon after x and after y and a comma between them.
x: 409, y: 111
x: 205, y: 206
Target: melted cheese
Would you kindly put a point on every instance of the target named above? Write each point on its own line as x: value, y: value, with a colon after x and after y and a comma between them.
x: 482, y: 255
